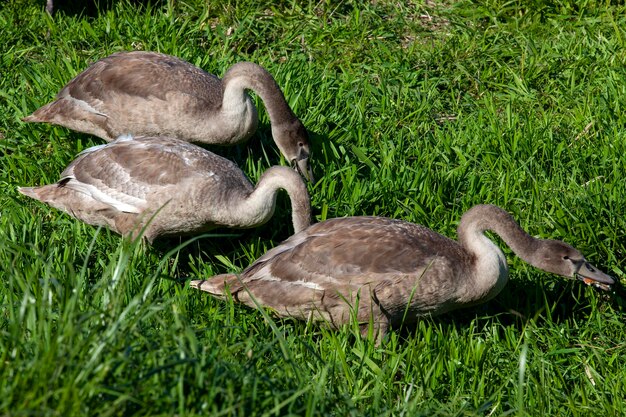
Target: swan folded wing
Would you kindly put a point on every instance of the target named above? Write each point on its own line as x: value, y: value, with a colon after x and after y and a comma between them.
x: 344, y: 266
x: 120, y: 201
x: 169, y: 161
x: 333, y: 261
x: 143, y: 76
x: 112, y: 175
x: 293, y: 299
x: 345, y: 255
x: 295, y: 290
x: 306, y: 295
x: 360, y: 245
x: 137, y: 167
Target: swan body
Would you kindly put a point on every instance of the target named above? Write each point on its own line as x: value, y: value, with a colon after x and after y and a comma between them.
x: 391, y: 272
x: 152, y: 94
x: 167, y: 187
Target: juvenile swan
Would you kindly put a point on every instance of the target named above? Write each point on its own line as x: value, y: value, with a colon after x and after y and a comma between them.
x: 391, y: 271
x: 147, y: 93
x: 168, y: 187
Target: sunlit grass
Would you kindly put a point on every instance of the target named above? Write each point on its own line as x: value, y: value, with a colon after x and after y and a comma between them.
x: 416, y: 112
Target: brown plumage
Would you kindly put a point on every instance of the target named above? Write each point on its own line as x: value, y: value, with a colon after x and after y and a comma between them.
x: 168, y: 187
x: 152, y: 94
x: 391, y: 272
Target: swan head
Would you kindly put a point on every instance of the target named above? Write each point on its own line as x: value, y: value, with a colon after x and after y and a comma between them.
x: 293, y: 142
x: 562, y: 259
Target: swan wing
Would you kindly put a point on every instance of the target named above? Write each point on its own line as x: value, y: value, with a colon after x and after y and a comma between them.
x: 132, y: 174
x: 339, y: 260
x: 142, y: 75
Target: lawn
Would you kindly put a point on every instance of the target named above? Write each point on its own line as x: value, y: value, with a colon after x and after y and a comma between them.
x: 417, y: 111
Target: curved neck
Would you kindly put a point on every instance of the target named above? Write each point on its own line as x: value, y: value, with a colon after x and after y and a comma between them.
x: 248, y: 76
x: 488, y: 264
x: 480, y: 218
x: 261, y: 202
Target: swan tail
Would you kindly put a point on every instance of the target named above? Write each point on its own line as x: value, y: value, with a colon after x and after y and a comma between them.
x: 43, y: 193
x: 44, y: 114
x: 219, y: 285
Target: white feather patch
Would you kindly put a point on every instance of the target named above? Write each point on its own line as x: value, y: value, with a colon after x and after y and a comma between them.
x: 99, y: 195
x: 308, y: 284
x: 86, y: 106
x: 264, y: 274
x: 124, y: 138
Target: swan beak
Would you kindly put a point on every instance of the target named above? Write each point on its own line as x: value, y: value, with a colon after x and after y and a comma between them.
x: 302, y: 166
x: 590, y: 275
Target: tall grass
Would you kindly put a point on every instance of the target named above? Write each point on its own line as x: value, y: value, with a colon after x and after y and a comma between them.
x: 417, y: 111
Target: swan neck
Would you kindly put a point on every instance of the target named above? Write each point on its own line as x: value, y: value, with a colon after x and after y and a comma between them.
x: 248, y: 76
x: 262, y: 200
x: 481, y: 218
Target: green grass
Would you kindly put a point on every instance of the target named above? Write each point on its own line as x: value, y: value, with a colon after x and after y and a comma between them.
x: 519, y: 104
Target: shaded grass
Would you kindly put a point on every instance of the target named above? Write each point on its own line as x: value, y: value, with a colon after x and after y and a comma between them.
x: 518, y: 105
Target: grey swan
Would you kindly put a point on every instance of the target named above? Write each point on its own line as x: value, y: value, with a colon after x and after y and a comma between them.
x: 390, y: 272
x: 167, y: 187
x: 151, y: 94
